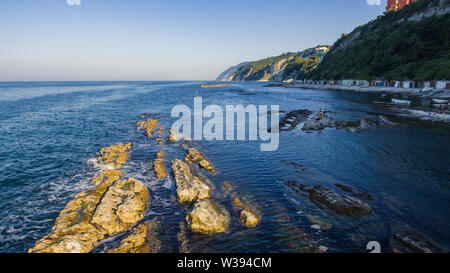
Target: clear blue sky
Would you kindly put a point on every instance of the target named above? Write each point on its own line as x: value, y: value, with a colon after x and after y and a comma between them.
x: 164, y: 39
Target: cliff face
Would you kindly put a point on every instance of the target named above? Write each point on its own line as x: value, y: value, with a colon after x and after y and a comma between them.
x: 226, y: 75
x: 410, y: 44
x: 285, y: 67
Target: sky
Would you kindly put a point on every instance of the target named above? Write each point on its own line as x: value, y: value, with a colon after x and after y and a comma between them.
x: 57, y: 40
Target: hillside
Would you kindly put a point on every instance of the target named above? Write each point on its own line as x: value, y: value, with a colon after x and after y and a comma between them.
x: 413, y: 43
x: 279, y: 68
x: 410, y: 44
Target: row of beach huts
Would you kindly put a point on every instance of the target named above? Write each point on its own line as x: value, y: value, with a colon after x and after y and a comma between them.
x: 443, y: 84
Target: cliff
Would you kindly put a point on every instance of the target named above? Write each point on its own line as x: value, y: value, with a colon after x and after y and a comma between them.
x: 285, y: 67
x: 410, y: 44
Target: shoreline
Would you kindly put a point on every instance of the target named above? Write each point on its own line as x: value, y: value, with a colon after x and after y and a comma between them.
x: 368, y: 89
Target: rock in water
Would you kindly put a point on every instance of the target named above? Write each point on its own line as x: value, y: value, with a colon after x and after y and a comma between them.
x: 195, y: 156
x: 227, y: 186
x: 159, y: 167
x: 143, y: 239
x: 249, y: 218
x: 293, y: 118
x: 339, y: 203
x: 106, y: 176
x: 207, y: 218
x: 237, y: 202
x: 111, y: 207
x: 189, y: 187
x: 114, y: 156
x: 316, y: 124
x: 123, y: 205
x: 148, y: 126
x: 408, y: 240
x: 172, y: 136
x: 76, y: 230
x: 355, y: 192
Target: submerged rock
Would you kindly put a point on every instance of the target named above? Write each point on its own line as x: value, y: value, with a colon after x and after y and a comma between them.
x: 339, y: 203
x: 355, y: 192
x: 249, y: 218
x: 207, y: 218
x: 408, y: 240
x: 158, y: 165
x: 369, y: 123
x: 189, y: 187
x: 114, y: 156
x: 317, y: 222
x: 148, y: 126
x: 227, y: 186
x: 143, y: 239
x: 237, y: 202
x: 194, y: 156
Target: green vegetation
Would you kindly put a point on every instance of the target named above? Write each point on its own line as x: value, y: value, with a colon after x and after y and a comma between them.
x: 301, y: 67
x: 393, y: 48
x: 291, y: 65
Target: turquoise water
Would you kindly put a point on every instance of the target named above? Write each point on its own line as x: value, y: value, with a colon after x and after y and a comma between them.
x: 49, y: 130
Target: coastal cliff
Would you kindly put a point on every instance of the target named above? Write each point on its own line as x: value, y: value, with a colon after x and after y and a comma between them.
x: 410, y: 44
x: 285, y: 67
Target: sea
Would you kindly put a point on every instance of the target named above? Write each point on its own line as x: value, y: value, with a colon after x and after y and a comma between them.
x: 49, y: 131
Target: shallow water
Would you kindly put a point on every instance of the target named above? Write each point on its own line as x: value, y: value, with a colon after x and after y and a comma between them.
x: 48, y: 132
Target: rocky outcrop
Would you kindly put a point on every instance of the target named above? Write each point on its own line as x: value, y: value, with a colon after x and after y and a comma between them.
x: 95, y: 214
x: 339, y: 203
x: 122, y: 205
x: 143, y: 239
x: 227, y: 186
x: 248, y: 215
x: 114, y: 156
x: 208, y: 218
x: 194, y: 156
x: 293, y: 118
x: 249, y: 218
x: 112, y: 207
x: 316, y: 124
x: 189, y: 187
x: 313, y: 123
x: 160, y: 137
x: 172, y: 136
x: 148, y: 126
x: 158, y: 166
x: 106, y: 176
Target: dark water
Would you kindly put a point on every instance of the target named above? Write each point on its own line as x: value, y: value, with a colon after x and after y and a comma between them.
x: 48, y: 132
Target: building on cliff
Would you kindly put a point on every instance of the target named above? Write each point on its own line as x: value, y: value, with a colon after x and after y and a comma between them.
x: 398, y: 4
x: 321, y: 51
